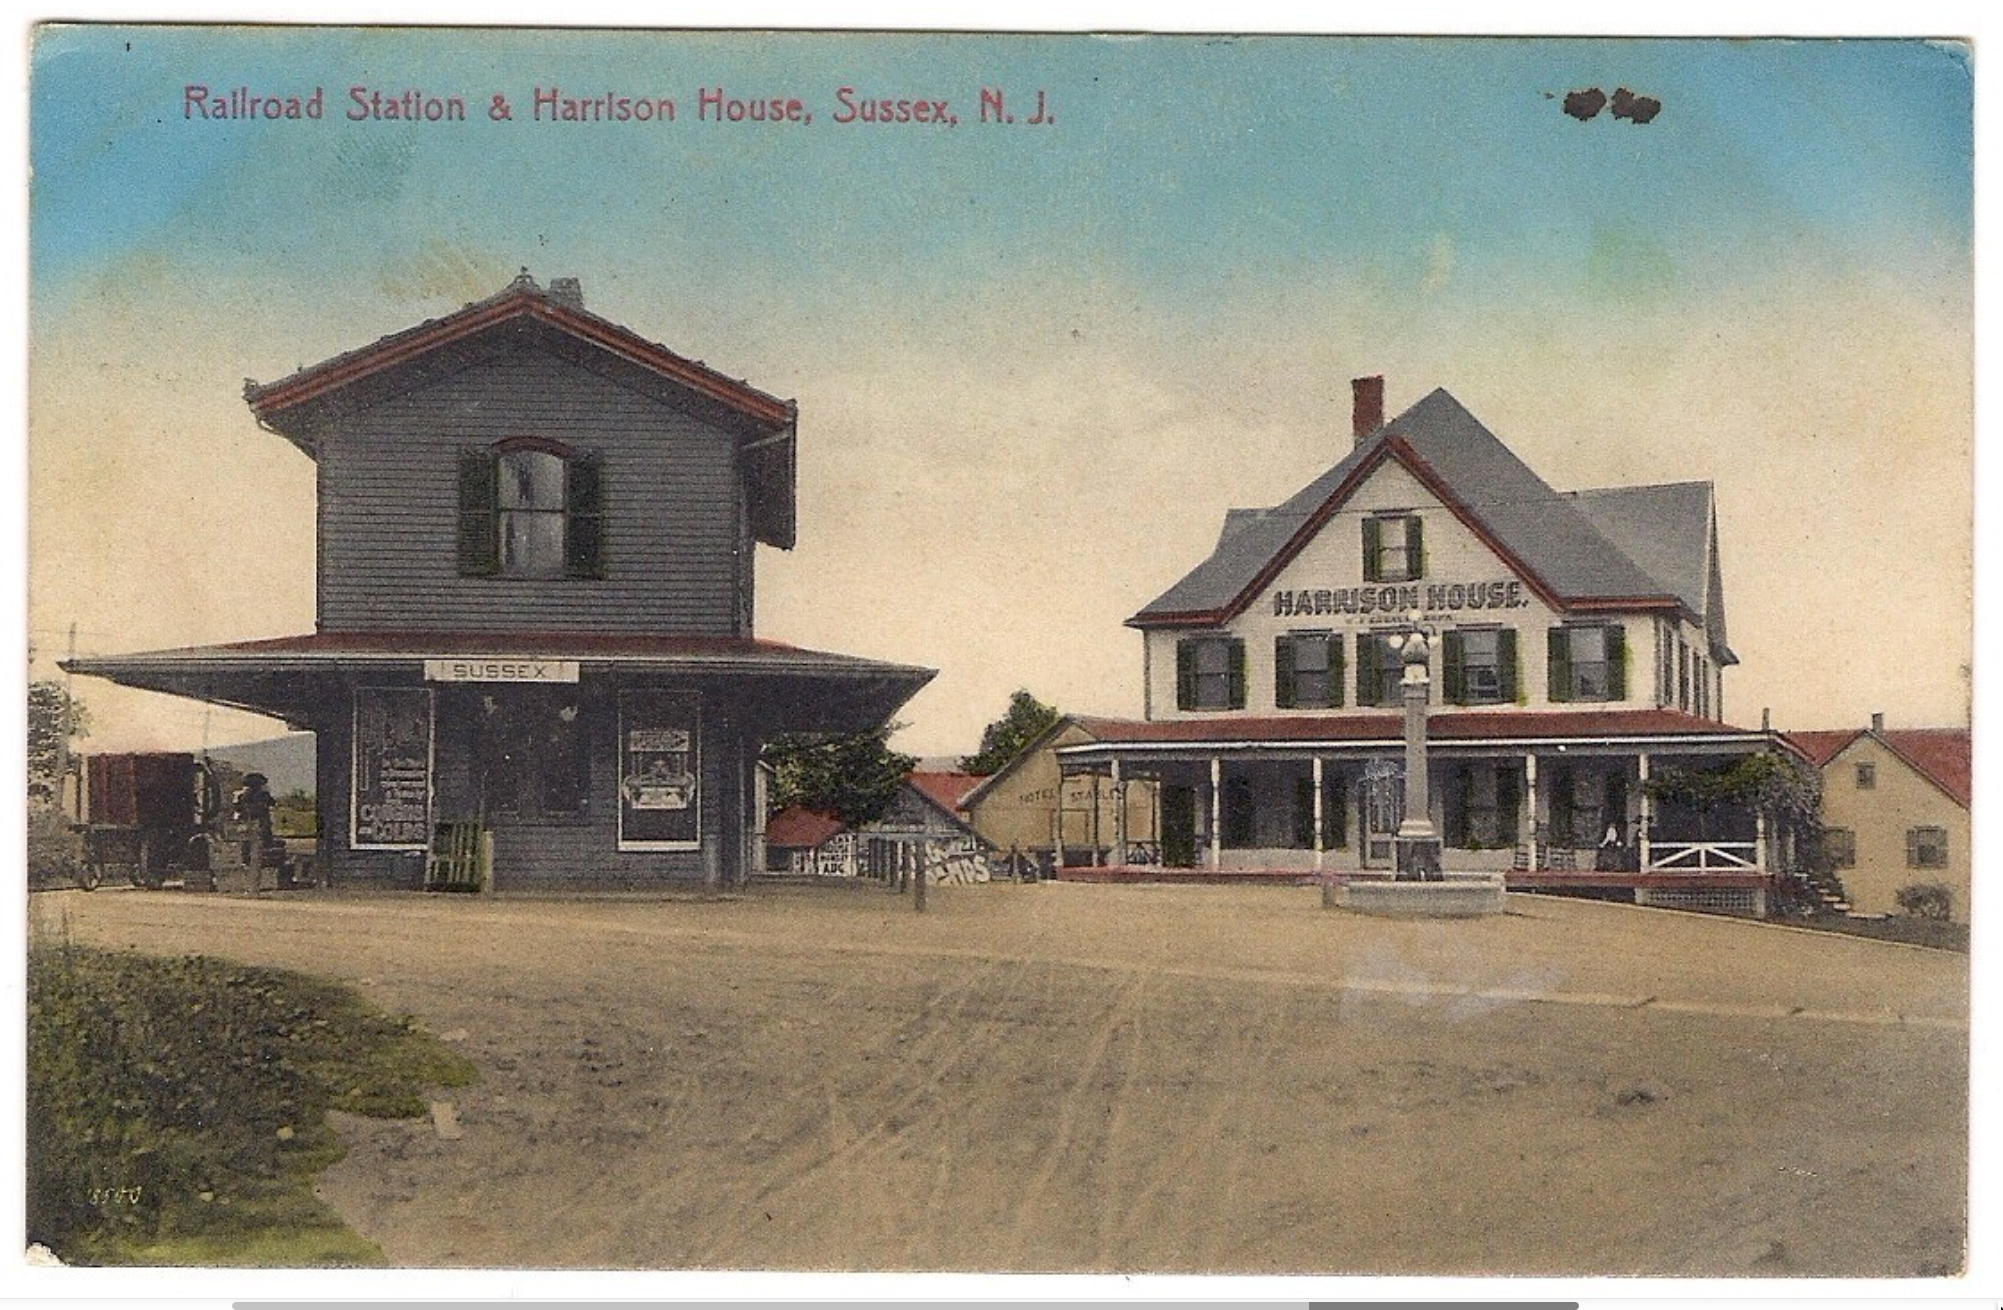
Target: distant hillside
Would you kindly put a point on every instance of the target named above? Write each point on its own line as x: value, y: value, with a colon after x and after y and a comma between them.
x: 287, y: 761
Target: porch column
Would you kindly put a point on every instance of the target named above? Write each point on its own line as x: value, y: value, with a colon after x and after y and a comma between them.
x: 1317, y: 814
x: 1647, y: 824
x: 1530, y: 807
x: 1119, y: 815
x: 1216, y: 812
x: 1096, y: 803
x: 1760, y: 841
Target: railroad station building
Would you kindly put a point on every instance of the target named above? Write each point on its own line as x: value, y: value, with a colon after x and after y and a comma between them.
x: 536, y: 548
x: 1579, y: 651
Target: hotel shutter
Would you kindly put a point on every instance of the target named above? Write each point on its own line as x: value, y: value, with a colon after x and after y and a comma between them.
x: 1564, y: 802
x: 1505, y: 663
x: 1508, y: 799
x: 1368, y: 653
x: 1415, y: 547
x: 1453, y: 670
x: 479, y: 546
x: 1561, y: 665
x: 1335, y: 813
x: 1237, y: 649
x: 1335, y: 669
x: 1283, y: 672
x: 1304, y: 813
x: 1616, y: 662
x: 584, y: 527
x: 1373, y: 543
x: 1458, y: 798
x: 1185, y: 675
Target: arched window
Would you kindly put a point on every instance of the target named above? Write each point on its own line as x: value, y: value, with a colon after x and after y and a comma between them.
x: 530, y: 508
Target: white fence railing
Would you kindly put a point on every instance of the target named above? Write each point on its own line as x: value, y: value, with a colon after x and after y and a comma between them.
x: 1704, y: 857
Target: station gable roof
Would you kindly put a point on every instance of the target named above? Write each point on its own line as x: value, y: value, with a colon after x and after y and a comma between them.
x: 298, y: 406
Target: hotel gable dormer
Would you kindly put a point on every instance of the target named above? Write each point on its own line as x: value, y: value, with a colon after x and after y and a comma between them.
x: 534, y: 587
x: 1577, y: 640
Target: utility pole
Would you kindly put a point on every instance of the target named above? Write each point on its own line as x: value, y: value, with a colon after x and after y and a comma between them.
x: 63, y: 733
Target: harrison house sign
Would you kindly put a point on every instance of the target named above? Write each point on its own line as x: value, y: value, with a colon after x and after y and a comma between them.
x: 1401, y: 600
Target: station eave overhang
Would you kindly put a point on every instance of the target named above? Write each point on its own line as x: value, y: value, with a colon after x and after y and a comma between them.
x: 789, y: 689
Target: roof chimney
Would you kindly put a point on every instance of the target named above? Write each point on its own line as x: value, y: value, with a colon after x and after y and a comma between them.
x: 567, y: 291
x: 1368, y: 412
x: 1878, y: 723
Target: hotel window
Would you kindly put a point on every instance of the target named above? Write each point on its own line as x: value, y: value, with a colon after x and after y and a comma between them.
x: 1926, y: 848
x: 1334, y: 813
x: 1380, y: 669
x: 1307, y: 670
x: 1394, y: 548
x: 1240, y: 806
x: 1665, y: 664
x: 1584, y: 804
x: 1839, y: 847
x: 1479, y: 666
x: 1482, y: 802
x: 530, y: 508
x: 1867, y: 776
x: 1588, y: 663
x: 1682, y: 675
x: 1210, y: 673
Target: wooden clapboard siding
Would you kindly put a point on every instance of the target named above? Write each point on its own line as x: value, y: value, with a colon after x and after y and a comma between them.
x: 535, y: 855
x: 675, y: 534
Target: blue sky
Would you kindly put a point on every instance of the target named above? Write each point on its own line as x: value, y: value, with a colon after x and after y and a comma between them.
x: 1035, y: 365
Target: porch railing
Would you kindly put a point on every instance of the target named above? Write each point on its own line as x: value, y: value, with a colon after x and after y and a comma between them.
x: 1704, y: 857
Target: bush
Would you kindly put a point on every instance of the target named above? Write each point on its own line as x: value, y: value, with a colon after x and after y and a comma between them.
x: 176, y: 1097
x: 1925, y: 900
x: 55, y: 852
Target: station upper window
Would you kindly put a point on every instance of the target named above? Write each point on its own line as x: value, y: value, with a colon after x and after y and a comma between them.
x: 1394, y: 548
x: 1588, y: 663
x: 530, y: 508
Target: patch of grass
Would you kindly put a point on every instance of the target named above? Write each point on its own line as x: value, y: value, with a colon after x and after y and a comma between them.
x: 177, y: 1107
x: 1938, y: 933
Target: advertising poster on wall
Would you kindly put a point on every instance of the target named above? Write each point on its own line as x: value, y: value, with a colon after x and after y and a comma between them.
x: 392, y: 795
x: 659, y: 773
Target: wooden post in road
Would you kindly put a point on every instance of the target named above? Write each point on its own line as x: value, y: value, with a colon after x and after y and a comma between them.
x: 918, y: 858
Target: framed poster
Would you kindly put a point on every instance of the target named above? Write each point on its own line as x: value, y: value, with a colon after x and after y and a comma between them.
x: 660, y: 772
x: 390, y: 799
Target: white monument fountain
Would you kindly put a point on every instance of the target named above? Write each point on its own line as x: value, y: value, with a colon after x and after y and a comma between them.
x: 1419, y: 887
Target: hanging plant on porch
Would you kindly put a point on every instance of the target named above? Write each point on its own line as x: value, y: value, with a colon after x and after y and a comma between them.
x: 1786, y: 790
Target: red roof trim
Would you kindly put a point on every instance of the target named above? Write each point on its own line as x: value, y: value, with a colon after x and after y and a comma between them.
x: 317, y: 380
x: 1444, y: 728
x: 1394, y: 445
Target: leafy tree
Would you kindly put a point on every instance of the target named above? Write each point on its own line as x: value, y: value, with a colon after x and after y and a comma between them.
x: 1027, y: 719
x: 48, y: 730
x: 856, y: 777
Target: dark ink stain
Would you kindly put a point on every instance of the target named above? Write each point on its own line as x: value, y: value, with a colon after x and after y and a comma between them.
x: 1584, y: 105
x: 1639, y: 109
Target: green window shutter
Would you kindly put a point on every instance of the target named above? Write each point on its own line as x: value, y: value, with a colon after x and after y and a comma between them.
x: 1335, y: 670
x: 1373, y: 542
x: 1458, y: 794
x: 1415, y: 544
x: 1368, y: 653
x: 1453, y: 668
x: 1616, y: 662
x: 1505, y: 662
x: 584, y: 518
x: 1561, y: 665
x: 1283, y: 672
x: 1237, y: 649
x: 1304, y: 813
x: 1562, y: 802
x: 479, y: 490
x: 1185, y: 675
x: 1508, y: 803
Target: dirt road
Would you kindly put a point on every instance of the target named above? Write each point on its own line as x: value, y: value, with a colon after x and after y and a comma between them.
x: 1167, y: 1079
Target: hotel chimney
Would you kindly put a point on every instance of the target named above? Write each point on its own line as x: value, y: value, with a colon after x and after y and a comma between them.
x: 1878, y: 723
x: 1368, y: 413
